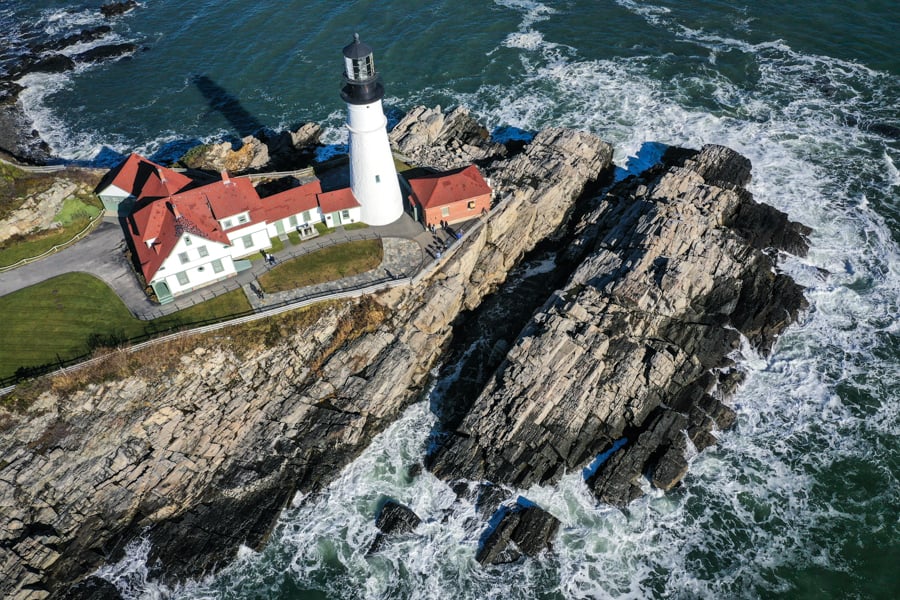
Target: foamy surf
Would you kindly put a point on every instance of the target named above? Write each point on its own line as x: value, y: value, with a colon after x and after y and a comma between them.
x: 780, y: 504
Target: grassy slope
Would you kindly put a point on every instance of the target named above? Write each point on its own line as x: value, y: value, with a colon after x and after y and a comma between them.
x: 67, y: 315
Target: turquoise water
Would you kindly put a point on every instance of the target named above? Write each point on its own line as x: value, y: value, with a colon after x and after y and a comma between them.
x: 801, y: 499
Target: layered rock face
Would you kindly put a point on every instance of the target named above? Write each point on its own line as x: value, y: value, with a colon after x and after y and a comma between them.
x: 273, y: 151
x: 202, y: 457
x: 632, y: 358
x: 428, y: 136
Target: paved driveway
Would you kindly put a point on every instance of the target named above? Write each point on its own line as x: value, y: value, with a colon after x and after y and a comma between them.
x: 101, y: 253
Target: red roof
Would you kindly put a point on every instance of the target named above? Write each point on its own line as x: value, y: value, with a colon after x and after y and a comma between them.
x: 446, y: 188
x: 292, y: 201
x: 230, y: 197
x: 143, y: 178
x: 195, y: 211
x: 336, y: 200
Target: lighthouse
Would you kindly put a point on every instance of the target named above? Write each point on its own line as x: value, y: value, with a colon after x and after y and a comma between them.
x: 373, y: 177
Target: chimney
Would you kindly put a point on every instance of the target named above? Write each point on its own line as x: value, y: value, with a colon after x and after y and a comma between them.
x: 175, y: 210
x: 225, y: 179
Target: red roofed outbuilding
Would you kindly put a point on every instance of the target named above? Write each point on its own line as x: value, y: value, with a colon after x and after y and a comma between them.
x: 137, y: 177
x: 339, y: 207
x: 451, y: 196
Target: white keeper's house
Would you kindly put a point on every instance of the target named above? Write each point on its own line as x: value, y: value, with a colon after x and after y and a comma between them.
x: 186, y: 234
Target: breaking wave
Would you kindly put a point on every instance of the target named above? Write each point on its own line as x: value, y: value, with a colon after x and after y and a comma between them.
x: 799, y: 496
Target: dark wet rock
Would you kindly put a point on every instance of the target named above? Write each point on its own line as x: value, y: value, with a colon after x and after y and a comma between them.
x: 106, y: 52
x: 18, y: 138
x: 114, y: 9
x: 54, y: 63
x: 522, y: 529
x: 637, y: 345
x: 92, y: 588
x: 84, y: 36
x: 9, y: 92
x: 393, y: 519
x: 396, y: 518
x: 489, y: 497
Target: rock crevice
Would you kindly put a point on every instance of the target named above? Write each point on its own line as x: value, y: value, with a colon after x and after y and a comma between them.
x: 638, y: 344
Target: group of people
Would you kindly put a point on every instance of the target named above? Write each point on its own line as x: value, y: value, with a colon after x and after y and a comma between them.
x: 269, y: 258
x: 438, y: 244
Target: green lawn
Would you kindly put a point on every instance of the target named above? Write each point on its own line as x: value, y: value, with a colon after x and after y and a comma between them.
x: 323, y: 229
x: 324, y: 265
x: 70, y: 315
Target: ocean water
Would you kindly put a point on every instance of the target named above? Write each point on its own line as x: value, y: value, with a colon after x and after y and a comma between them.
x: 801, y: 498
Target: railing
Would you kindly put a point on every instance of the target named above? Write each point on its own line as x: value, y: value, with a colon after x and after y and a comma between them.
x: 200, y: 327
x: 55, y: 248
x: 33, y: 169
x: 149, y: 339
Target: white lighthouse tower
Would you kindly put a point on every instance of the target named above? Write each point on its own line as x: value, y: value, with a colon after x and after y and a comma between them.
x: 373, y: 177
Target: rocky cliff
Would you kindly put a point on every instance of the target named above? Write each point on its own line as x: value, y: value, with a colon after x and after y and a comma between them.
x: 630, y: 363
x: 200, y: 452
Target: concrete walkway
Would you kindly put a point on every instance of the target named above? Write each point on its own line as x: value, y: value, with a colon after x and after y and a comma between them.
x: 102, y: 254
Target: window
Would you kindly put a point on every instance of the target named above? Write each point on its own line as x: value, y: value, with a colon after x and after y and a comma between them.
x: 187, y: 240
x: 226, y: 223
x: 471, y: 204
x: 201, y: 269
x: 202, y: 251
x: 445, y: 211
x: 183, y: 257
x: 242, y: 219
x: 378, y: 179
x: 293, y: 221
x: 248, y: 241
x: 305, y: 216
x: 345, y: 214
x: 182, y: 278
x: 217, y: 266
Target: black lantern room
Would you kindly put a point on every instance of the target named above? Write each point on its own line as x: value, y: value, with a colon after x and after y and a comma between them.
x: 361, y: 83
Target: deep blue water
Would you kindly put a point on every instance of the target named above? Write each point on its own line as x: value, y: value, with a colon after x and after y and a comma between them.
x: 801, y: 499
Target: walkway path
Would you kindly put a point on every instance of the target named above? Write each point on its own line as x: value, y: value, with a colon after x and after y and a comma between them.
x: 102, y: 254
x: 402, y: 258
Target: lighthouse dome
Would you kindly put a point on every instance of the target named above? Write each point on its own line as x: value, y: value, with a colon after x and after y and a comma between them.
x: 357, y: 49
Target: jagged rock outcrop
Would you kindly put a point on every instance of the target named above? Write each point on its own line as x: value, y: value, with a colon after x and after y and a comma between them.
x: 106, y: 52
x: 114, y: 9
x: 636, y: 348
x: 201, y: 457
x: 442, y: 141
x: 264, y: 150
x: 521, y: 529
x: 393, y: 519
x: 18, y: 138
x: 39, y: 210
